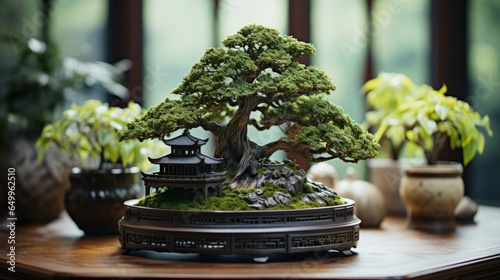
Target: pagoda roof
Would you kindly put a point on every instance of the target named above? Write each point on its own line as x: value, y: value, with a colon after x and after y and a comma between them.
x: 182, y: 159
x: 185, y: 139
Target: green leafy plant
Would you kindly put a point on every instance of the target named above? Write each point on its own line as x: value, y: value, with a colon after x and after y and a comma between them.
x: 430, y: 118
x: 36, y: 89
x: 384, y: 94
x: 89, y: 134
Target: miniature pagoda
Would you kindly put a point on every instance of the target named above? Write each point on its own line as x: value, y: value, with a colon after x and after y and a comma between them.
x: 185, y: 167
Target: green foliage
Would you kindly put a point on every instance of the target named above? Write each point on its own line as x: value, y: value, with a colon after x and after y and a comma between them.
x: 427, y: 118
x: 384, y: 94
x: 255, y: 80
x: 90, y: 132
x: 325, y: 128
x: 170, y: 115
x: 35, y: 89
x: 431, y: 117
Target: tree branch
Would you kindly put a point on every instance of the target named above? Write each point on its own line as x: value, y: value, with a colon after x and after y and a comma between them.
x: 210, y: 126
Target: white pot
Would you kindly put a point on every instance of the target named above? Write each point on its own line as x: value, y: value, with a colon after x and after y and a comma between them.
x: 370, y: 206
x: 431, y: 194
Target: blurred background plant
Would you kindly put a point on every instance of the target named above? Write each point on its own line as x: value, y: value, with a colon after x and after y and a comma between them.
x: 42, y: 83
x: 88, y: 134
x: 432, y: 120
x: 384, y: 94
x: 401, y: 112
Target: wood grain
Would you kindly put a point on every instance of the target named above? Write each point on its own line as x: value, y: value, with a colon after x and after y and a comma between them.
x: 59, y: 251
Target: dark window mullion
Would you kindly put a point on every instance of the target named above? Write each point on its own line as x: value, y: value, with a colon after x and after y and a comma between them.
x: 125, y: 39
x: 299, y: 26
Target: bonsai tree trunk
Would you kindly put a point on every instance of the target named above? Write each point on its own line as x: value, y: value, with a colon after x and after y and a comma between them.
x: 234, y: 146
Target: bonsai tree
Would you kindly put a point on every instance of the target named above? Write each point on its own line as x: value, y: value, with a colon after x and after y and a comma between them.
x: 88, y: 133
x: 430, y: 118
x: 384, y: 94
x: 255, y: 80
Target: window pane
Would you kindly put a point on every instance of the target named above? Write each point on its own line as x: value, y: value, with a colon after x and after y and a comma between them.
x: 17, y: 19
x: 484, y: 95
x: 79, y: 27
x: 401, y: 38
x: 176, y: 36
x: 234, y: 14
x: 339, y: 35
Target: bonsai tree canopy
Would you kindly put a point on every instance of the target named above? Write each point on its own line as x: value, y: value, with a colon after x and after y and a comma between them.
x: 255, y: 80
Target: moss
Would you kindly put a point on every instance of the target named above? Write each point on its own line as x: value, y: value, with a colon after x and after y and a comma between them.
x: 292, y: 166
x: 261, y: 170
x: 336, y: 201
x: 307, y: 188
x: 232, y: 199
x: 270, y: 188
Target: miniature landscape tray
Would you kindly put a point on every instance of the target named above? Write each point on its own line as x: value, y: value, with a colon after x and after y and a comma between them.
x: 258, y: 233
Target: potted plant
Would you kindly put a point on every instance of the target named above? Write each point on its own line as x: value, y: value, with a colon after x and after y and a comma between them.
x: 106, y: 172
x: 253, y: 83
x: 384, y: 94
x: 35, y: 90
x: 431, y: 120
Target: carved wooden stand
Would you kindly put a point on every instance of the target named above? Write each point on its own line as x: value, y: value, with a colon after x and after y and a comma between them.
x: 258, y: 233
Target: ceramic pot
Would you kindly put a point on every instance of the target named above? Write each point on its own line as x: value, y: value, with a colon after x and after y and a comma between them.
x: 431, y: 194
x: 323, y: 173
x: 370, y: 205
x: 95, y: 198
x: 386, y: 175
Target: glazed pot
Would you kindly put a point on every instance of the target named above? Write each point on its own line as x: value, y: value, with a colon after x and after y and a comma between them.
x: 431, y: 194
x: 95, y: 198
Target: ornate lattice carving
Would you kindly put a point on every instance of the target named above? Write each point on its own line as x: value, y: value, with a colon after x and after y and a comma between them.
x: 259, y: 243
x: 200, y: 243
x: 149, y: 240
x: 321, y: 240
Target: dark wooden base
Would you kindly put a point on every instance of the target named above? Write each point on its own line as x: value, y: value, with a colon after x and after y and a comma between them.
x: 257, y: 233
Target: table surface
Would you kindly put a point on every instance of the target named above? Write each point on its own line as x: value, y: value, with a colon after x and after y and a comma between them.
x: 59, y: 250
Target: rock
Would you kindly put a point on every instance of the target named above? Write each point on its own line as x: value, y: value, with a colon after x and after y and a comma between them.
x: 261, y: 180
x: 290, y: 179
x: 287, y: 173
x: 252, y: 197
x: 466, y: 210
x: 282, y: 198
x: 256, y: 205
x: 270, y: 202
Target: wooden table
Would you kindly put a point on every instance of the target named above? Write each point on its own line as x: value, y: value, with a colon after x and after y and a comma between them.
x: 59, y: 251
